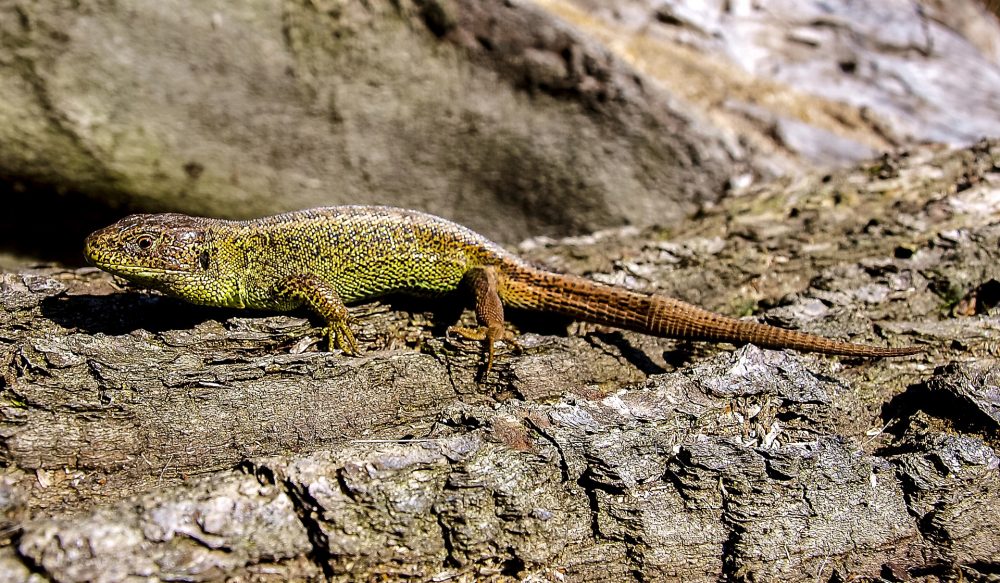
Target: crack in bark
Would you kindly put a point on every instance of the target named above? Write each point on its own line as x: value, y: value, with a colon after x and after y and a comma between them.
x: 450, y: 559
x: 590, y: 491
x: 635, y: 556
x: 34, y: 567
x: 730, y: 556
x: 590, y: 486
x: 344, y: 488
x: 306, y: 508
x: 633, y: 547
x: 449, y: 369
x: 563, y: 464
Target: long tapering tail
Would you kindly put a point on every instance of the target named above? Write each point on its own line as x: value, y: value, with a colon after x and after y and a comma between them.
x: 526, y: 287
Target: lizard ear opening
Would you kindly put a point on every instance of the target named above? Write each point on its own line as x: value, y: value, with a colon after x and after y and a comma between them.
x: 204, y: 260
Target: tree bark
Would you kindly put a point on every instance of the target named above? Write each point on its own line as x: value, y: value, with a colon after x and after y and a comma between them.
x: 146, y: 438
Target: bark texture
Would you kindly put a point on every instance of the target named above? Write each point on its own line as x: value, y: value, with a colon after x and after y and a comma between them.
x: 145, y: 438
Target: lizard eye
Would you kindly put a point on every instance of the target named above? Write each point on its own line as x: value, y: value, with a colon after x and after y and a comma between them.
x: 144, y: 242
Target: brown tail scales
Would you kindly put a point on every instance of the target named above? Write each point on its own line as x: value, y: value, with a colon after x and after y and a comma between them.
x: 657, y: 315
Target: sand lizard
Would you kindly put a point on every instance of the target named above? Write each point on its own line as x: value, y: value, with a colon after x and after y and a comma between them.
x: 325, y: 258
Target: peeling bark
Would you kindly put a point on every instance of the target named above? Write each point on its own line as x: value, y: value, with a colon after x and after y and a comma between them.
x: 143, y: 437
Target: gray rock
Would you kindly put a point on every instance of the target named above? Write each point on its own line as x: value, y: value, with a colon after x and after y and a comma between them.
x: 839, y: 78
x: 485, y: 112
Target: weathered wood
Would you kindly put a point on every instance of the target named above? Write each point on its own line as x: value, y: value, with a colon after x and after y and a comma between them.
x: 144, y: 437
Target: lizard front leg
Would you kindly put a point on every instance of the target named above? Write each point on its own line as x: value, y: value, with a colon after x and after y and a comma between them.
x: 489, y: 312
x: 319, y: 295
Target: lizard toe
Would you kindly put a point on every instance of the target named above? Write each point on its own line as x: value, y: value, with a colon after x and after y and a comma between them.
x: 341, y: 337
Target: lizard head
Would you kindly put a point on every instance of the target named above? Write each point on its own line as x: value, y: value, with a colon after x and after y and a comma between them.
x: 169, y: 252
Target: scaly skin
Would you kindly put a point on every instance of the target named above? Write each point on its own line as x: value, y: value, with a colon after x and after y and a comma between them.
x: 328, y: 257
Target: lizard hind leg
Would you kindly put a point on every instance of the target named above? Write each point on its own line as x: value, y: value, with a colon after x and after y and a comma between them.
x: 489, y: 312
x: 320, y: 296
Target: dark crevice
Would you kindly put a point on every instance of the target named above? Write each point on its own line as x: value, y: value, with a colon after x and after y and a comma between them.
x: 588, y: 479
x: 987, y: 296
x: 923, y: 523
x: 33, y: 567
x: 680, y: 461
x: 436, y: 17
x: 588, y: 488
x: 264, y: 474
x: 674, y: 479
x: 345, y: 489
x: 731, y: 563
x: 893, y: 574
x: 897, y: 449
x: 938, y: 571
x: 907, y: 486
x: 307, y: 509
x: 635, y: 557
x: 939, y: 403
x: 563, y: 464
x: 450, y: 559
x: 932, y: 533
x: 503, y: 388
x: 512, y: 567
x: 983, y: 568
x: 776, y: 474
x: 462, y: 420
x: 591, y: 485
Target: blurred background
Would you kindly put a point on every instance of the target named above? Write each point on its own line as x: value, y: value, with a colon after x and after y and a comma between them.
x: 516, y: 118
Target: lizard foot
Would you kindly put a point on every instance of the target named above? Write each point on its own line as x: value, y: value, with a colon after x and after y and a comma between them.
x: 487, y: 335
x: 340, y: 336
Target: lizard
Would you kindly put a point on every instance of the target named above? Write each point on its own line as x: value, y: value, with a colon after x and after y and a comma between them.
x: 326, y: 258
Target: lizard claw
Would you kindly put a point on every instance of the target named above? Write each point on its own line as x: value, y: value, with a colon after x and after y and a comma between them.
x: 488, y: 335
x: 477, y: 334
x: 340, y: 336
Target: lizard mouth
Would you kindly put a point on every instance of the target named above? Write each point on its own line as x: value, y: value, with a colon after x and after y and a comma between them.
x: 134, y: 270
